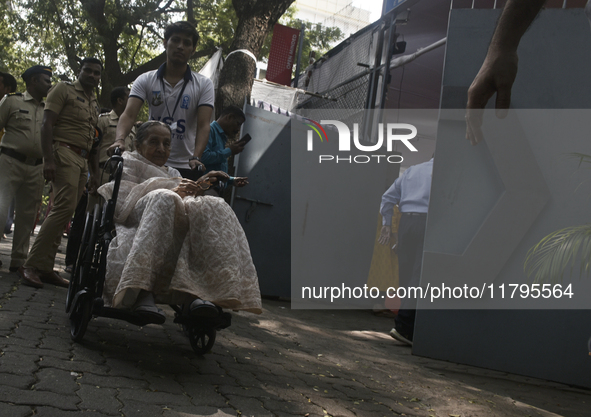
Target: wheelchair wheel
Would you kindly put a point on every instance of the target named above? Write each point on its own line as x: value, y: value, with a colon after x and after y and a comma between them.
x: 72, y: 290
x: 202, y: 339
x: 80, y: 274
x: 79, y: 318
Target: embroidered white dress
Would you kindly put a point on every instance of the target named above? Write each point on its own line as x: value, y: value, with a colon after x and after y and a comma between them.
x: 178, y: 249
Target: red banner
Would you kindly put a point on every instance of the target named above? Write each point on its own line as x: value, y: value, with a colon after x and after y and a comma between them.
x: 282, y: 54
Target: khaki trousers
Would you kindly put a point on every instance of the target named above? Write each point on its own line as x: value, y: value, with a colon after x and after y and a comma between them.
x: 70, y: 179
x: 24, y: 183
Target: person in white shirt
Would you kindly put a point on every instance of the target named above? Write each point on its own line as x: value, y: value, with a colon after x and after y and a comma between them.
x: 411, y: 192
x: 176, y: 96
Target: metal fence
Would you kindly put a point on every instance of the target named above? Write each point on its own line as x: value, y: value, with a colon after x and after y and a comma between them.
x: 351, y: 94
x: 347, y: 77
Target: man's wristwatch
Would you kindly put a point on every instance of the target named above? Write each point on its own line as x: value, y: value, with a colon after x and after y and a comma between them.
x: 196, y: 158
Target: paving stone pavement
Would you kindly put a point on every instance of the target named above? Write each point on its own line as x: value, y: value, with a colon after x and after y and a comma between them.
x: 282, y: 363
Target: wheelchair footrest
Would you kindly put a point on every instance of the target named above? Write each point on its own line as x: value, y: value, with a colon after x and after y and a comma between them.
x: 220, y: 322
x: 120, y: 314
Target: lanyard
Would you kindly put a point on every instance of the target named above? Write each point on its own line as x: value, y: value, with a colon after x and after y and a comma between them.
x: 177, y: 100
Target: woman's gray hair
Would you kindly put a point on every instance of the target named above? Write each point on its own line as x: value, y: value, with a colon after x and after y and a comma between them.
x: 144, y: 130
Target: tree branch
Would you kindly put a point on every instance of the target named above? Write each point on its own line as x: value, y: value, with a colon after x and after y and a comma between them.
x: 190, y: 12
x: 69, y: 48
x: 154, y: 63
x: 163, y: 9
x: 139, y: 44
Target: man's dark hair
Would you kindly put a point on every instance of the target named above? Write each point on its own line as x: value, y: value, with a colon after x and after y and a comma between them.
x: 182, y: 27
x: 233, y: 110
x: 117, y: 93
x: 8, y: 81
x: 91, y: 61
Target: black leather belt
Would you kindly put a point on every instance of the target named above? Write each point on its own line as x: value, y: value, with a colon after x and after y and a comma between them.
x: 79, y: 151
x: 21, y: 157
x: 412, y: 213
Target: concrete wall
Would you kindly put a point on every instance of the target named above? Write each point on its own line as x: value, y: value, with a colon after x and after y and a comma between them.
x: 471, y: 183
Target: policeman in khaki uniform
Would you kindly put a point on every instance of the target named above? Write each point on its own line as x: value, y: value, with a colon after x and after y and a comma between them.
x: 7, y: 84
x: 21, y: 163
x: 107, y: 125
x: 67, y: 138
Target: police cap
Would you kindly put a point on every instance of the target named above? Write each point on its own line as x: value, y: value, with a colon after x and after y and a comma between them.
x: 36, y: 69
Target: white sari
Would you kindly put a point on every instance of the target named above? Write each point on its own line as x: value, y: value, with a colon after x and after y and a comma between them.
x: 178, y: 249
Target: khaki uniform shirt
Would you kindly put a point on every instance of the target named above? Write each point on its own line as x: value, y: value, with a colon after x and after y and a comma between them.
x: 107, y: 124
x: 77, y: 114
x: 21, y: 117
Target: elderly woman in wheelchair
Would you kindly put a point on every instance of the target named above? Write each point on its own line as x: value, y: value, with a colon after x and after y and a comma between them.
x: 174, y: 245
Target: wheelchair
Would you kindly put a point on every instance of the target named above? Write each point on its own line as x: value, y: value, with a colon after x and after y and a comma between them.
x: 84, y: 298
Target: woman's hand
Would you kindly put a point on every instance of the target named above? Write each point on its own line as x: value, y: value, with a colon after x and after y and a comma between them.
x: 188, y: 188
x: 198, y: 188
x: 219, y: 175
x: 211, y: 178
x: 240, y: 181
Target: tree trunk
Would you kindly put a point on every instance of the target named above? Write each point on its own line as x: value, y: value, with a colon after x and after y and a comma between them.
x: 255, y: 20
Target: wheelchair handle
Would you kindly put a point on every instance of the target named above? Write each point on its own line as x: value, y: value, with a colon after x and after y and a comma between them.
x: 109, y: 212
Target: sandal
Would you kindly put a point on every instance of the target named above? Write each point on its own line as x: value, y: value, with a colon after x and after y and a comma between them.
x: 150, y: 313
x: 202, y: 308
x: 146, y: 308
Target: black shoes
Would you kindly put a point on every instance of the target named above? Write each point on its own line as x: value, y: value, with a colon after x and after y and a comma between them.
x: 404, y: 338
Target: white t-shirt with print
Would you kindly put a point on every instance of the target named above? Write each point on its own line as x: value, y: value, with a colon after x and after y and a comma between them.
x: 179, y: 112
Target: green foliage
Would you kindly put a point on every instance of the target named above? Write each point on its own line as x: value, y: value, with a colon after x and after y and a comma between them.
x: 319, y: 39
x: 61, y: 32
x: 15, y: 53
x: 81, y: 28
x: 216, y: 21
x: 561, y: 250
x: 44, y: 203
x: 581, y: 157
